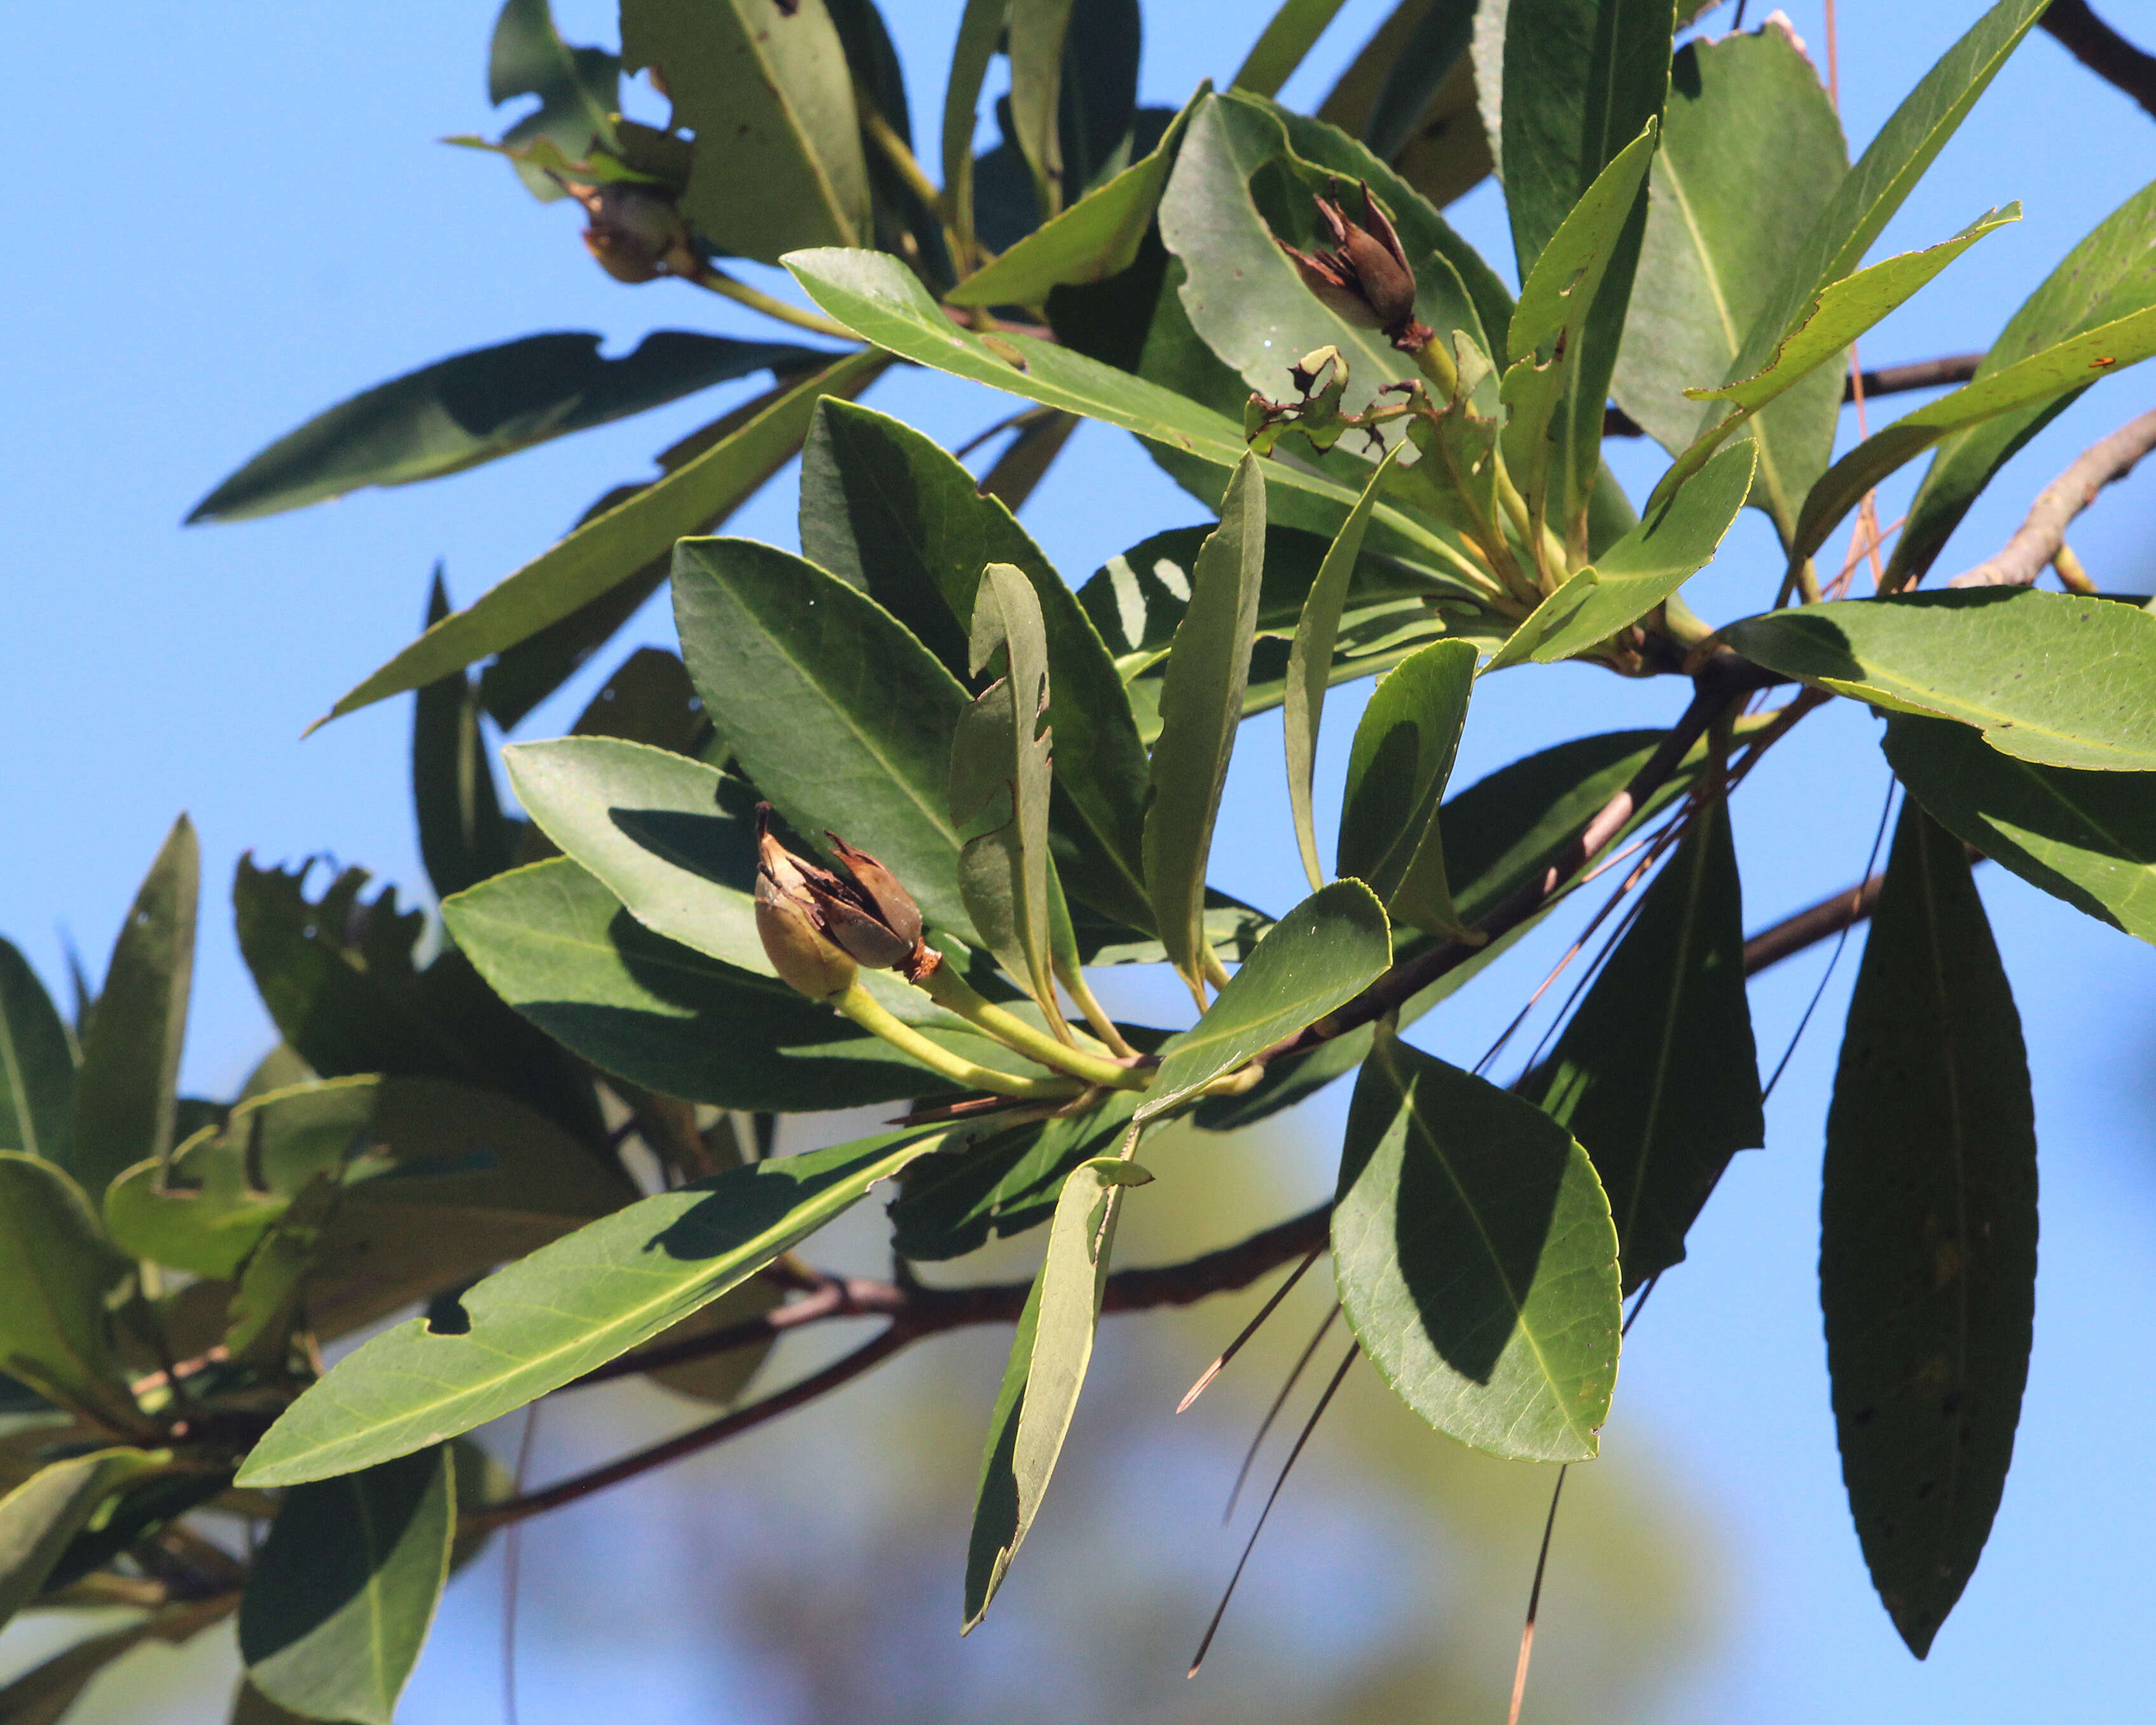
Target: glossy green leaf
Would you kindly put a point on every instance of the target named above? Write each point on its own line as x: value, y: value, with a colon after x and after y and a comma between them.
x: 343, y: 1591
x: 479, y: 406
x: 1000, y: 777
x: 882, y: 302
x: 885, y: 510
x: 1321, y: 955
x: 1310, y: 663
x: 579, y: 89
x: 1096, y: 238
x: 58, y: 1273
x: 2054, y: 374
x: 40, y: 1516
x: 127, y: 1086
x: 2088, y: 837
x: 463, y: 838
x: 1402, y: 754
x: 1842, y: 310
x: 37, y: 1066
x: 547, y: 1320
x: 838, y: 715
x: 613, y: 546
x: 765, y: 88
x: 2051, y: 678
x: 1241, y: 292
x: 2109, y: 275
x: 1656, y: 1074
x: 559, y: 948
x: 1927, y: 1232
x: 1750, y: 154
x: 1476, y: 1259
x: 1200, y: 706
x: 980, y: 30
x: 1049, y: 1358
x: 1288, y: 36
x: 1641, y: 570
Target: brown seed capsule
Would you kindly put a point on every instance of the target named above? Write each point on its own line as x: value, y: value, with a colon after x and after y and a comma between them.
x: 1366, y: 279
x: 790, y: 922
x: 635, y: 233
x: 865, y: 913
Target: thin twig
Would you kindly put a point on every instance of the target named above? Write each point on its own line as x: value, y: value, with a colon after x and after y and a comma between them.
x: 2105, y: 53
x: 1885, y: 380
x: 713, y: 280
x: 2039, y: 539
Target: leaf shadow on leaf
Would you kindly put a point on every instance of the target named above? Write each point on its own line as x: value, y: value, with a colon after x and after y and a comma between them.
x: 713, y: 846
x: 1455, y: 1296
x: 743, y: 1209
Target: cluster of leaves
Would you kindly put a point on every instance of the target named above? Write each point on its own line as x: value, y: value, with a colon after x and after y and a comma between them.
x: 1041, y: 767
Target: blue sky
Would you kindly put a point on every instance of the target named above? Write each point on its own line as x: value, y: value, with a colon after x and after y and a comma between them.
x: 229, y: 217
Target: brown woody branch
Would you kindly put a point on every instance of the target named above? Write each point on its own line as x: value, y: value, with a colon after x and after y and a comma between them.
x: 2041, y: 538
x: 2105, y: 53
x: 1887, y: 380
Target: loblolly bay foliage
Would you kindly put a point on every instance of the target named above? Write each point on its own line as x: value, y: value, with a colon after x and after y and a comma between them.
x: 860, y: 841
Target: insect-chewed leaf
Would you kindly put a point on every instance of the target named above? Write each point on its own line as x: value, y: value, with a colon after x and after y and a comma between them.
x: 343, y: 1591
x: 1048, y: 1362
x: 567, y: 1307
x: 1928, y: 1237
x: 1657, y: 1075
x: 1476, y: 1259
x: 2051, y: 678
x: 2089, y: 837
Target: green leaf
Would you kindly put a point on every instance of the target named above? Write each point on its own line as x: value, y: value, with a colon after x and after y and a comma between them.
x: 343, y: 1591
x: 1241, y: 292
x: 548, y: 1319
x: 613, y: 546
x: 765, y: 88
x: 1447, y: 150
x: 1657, y: 1075
x: 1200, y: 705
x: 1402, y: 754
x: 1288, y: 35
x: 1843, y: 311
x: 463, y: 838
x: 1096, y: 238
x: 57, y: 1276
x: 1927, y: 1233
x: 37, y: 1066
x: 43, y: 1695
x: 1321, y: 955
x: 1564, y: 338
x: 2051, y: 678
x: 886, y: 511
x: 1309, y: 663
x: 834, y: 712
x: 649, y: 699
x: 1476, y: 1259
x: 127, y: 1086
x: 479, y: 406
x: 2088, y: 837
x: 579, y: 89
x: 1033, y: 39
x: 1751, y: 153
x: 980, y: 30
x: 999, y: 784
x: 1434, y: 50
x: 2109, y: 275
x: 1640, y: 571
x: 882, y: 302
x: 42, y: 1515
x: 559, y: 947
x: 2057, y: 374
x: 1049, y: 1358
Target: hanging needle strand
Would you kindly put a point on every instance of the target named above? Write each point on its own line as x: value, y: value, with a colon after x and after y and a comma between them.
x: 1250, y: 1330
x: 1534, y: 1604
x: 1280, y: 1401
x: 1316, y: 1414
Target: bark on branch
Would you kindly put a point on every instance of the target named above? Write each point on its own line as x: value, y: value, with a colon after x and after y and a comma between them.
x: 2040, y: 539
x: 1887, y: 380
x: 2105, y: 53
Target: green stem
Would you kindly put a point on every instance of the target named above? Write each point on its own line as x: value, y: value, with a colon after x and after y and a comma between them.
x: 717, y: 281
x: 1104, y: 1027
x: 954, y: 993
x: 863, y: 1009
x: 1435, y: 363
x: 1215, y: 971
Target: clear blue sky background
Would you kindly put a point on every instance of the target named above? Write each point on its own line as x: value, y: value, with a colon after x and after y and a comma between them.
x: 226, y: 219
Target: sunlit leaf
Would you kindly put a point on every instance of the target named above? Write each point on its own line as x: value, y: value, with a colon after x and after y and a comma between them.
x: 1402, y: 755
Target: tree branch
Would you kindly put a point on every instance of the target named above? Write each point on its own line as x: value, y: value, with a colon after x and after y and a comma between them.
x: 2042, y: 536
x: 1887, y: 380
x: 2105, y: 53
x: 1808, y: 927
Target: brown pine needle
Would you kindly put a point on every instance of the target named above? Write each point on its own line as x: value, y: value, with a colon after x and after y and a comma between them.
x: 1310, y: 1425
x: 1534, y: 1604
x: 1250, y: 1330
x: 1280, y: 1401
